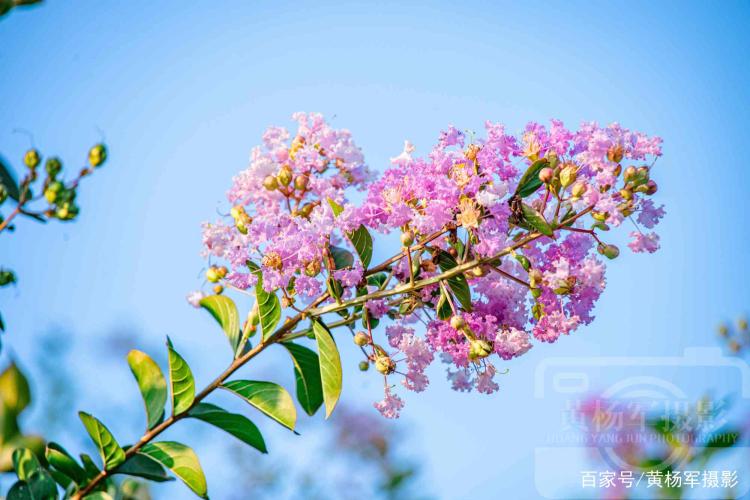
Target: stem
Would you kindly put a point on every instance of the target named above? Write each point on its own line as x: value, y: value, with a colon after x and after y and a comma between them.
x: 312, y: 310
x: 4, y: 224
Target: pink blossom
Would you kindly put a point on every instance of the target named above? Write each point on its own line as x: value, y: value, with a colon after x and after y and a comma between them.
x: 648, y: 242
x: 391, y: 405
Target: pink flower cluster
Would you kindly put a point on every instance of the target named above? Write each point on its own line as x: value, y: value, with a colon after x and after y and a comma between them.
x: 525, y: 215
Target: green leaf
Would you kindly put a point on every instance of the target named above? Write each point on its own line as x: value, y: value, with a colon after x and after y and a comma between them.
x: 140, y: 465
x: 238, y: 426
x: 14, y: 390
x: 111, y: 452
x: 536, y: 220
x: 8, y: 180
x: 307, y: 376
x: 99, y: 495
x: 20, y: 491
x: 342, y: 258
x: 335, y: 207
x: 38, y: 486
x: 25, y: 463
x: 443, y: 307
x: 330, y: 366
x: 181, y: 380
x: 181, y: 460
x: 458, y: 284
x: 268, y: 304
x: 64, y: 462
x: 362, y: 242
x: 89, y: 466
x: 530, y: 181
x: 270, y: 398
x: 224, y: 311
x: 152, y: 384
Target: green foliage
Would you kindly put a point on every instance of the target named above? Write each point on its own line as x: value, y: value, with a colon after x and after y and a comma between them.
x: 110, y: 451
x: 15, y: 396
x: 181, y: 380
x: 270, y: 398
x: 60, y: 460
x: 330, y: 366
x: 238, y: 426
x: 536, y: 220
x: 152, y: 384
x: 269, y: 307
x: 141, y: 465
x: 181, y: 460
x: 342, y: 258
x: 458, y: 284
x: 530, y: 181
x: 225, y: 313
x: 7, y: 179
x: 307, y: 377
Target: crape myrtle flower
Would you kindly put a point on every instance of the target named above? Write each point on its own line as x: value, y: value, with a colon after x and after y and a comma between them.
x: 501, y: 239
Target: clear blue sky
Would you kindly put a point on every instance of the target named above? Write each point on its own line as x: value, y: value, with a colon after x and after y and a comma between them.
x: 183, y: 91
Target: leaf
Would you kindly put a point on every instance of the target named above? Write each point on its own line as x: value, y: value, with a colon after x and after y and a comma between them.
x: 335, y: 207
x: 89, y: 466
x: 181, y: 381
x: 443, y: 307
x: 181, y: 460
x: 238, y: 426
x: 270, y: 398
x: 63, y: 462
x: 536, y: 220
x: 224, y: 311
x: 140, y: 465
x: 14, y: 390
x: 330, y: 366
x: 342, y: 258
x: 8, y: 180
x: 362, y: 242
x: 38, y: 486
x: 25, y: 463
x: 111, y: 452
x: 458, y: 284
x: 152, y: 384
x: 268, y: 304
x: 307, y: 376
x: 530, y: 181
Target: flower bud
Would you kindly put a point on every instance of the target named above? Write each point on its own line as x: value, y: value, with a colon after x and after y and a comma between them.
x: 479, y: 348
x: 237, y: 211
x: 568, y: 175
x: 651, y: 187
x: 600, y: 216
x: 407, y: 238
x: 285, y: 176
x: 609, y: 251
x: 535, y: 278
x: 364, y: 366
x: 562, y: 287
x: 578, y: 189
x: 385, y: 365
x: 31, y: 158
x: 270, y: 183
x: 300, y: 182
x: 546, y: 175
x: 617, y: 170
x: 742, y: 324
x: 523, y: 261
x: 723, y: 330
x: 629, y: 173
x: 615, y: 153
x: 52, y: 191
x: 312, y: 268
x: 212, y: 274
x: 53, y: 166
x: 222, y: 271
x: 306, y: 209
x: 218, y: 289
x: 457, y: 322
x: 361, y: 339
x: 626, y: 194
x: 477, y: 272
x: 97, y: 155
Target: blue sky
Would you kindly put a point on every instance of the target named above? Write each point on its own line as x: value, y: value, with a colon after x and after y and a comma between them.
x: 182, y: 91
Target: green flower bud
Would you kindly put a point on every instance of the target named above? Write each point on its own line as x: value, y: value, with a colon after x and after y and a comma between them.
x: 742, y: 324
x: 53, y: 166
x: 285, y: 176
x: 31, y: 158
x: 578, y: 189
x: 361, y: 339
x: 568, y: 175
x: 407, y: 238
x: 212, y: 274
x: 480, y: 348
x: 629, y: 173
x: 523, y: 261
x: 458, y: 322
x: 7, y: 277
x: 364, y: 366
x: 385, y: 365
x: 723, y: 330
x: 562, y: 287
x: 97, y: 155
x: 237, y: 211
x: 270, y: 183
x: 609, y: 251
x: 300, y: 182
x: 546, y: 175
x: 626, y: 194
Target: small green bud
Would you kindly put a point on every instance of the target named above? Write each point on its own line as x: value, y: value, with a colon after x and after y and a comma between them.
x: 609, y: 251
x: 626, y: 194
x: 361, y: 339
x: 364, y: 366
x: 458, y: 322
x: 742, y: 324
x: 53, y: 166
x: 97, y: 155
x: 300, y: 182
x: 568, y: 175
x: 562, y: 287
x: 407, y: 238
x: 270, y: 183
x: 578, y: 189
x: 212, y: 274
x: 31, y: 158
x: 723, y: 330
x: 285, y: 176
x: 479, y: 348
x: 629, y: 173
